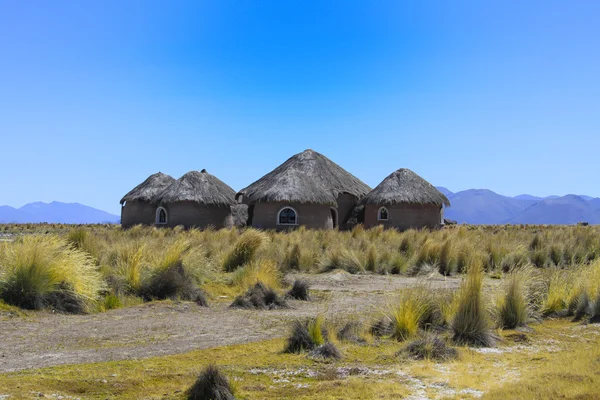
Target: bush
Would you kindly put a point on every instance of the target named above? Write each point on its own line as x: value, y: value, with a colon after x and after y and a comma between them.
x: 112, y: 302
x: 326, y: 351
x: 351, y: 332
x: 265, y: 272
x: 406, y: 317
x: 595, y: 317
x: 293, y: 258
x: 582, y: 306
x: 306, y: 335
x: 244, y: 250
x: 259, y: 297
x: 45, y: 271
x: 430, y: 348
x: 299, y: 291
x: 470, y: 324
x: 512, y: 311
x: 173, y: 282
x: 169, y: 279
x: 381, y: 327
x: 444, y: 265
x: 344, y: 259
x: 556, y: 295
x: 211, y: 385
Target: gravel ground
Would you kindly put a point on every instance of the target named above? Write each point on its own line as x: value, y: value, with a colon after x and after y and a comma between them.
x: 44, y: 339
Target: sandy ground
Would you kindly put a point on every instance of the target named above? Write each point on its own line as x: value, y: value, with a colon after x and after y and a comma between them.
x: 44, y: 339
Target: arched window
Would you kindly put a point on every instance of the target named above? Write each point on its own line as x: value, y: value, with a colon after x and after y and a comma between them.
x: 382, y: 214
x: 287, y: 216
x: 161, y: 216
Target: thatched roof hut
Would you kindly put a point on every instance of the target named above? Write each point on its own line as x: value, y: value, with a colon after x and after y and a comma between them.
x: 199, y: 187
x: 404, y: 186
x: 149, y: 189
x: 404, y: 200
x: 305, y: 178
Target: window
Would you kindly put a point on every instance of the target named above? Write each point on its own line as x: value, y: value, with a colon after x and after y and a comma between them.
x: 287, y: 216
x: 161, y: 216
x: 382, y: 214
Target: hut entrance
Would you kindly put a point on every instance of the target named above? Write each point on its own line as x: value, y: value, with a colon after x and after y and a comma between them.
x: 334, y: 217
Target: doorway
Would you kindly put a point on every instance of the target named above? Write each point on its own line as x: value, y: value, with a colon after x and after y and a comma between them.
x: 334, y: 217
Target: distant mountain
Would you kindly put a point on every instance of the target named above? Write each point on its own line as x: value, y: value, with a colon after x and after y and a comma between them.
x: 486, y: 207
x: 56, y: 212
x: 527, y: 197
x: 482, y: 206
x: 445, y: 191
x: 568, y: 209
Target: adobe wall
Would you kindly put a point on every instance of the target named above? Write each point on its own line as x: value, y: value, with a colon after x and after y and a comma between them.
x: 405, y: 216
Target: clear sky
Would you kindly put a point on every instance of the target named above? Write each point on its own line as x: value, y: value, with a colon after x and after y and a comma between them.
x: 96, y: 96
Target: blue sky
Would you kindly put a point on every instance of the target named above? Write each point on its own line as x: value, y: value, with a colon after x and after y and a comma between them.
x: 96, y: 96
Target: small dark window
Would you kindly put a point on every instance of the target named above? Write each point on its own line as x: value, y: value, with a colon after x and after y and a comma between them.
x: 161, y: 216
x: 382, y: 215
x: 287, y: 216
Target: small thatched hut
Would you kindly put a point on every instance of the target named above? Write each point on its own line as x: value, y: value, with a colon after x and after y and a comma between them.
x: 404, y: 200
x: 137, y: 206
x: 197, y: 199
x: 308, y: 189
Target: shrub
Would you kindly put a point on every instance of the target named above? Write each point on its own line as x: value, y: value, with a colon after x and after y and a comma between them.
x: 77, y: 237
x: 259, y: 297
x: 407, y: 316
x: 539, y: 258
x: 381, y: 327
x: 326, y: 351
x: 315, y: 330
x: 45, y: 271
x: 371, y: 262
x: 299, y: 291
x: 111, y: 302
x: 211, y: 385
x: 595, y: 317
x: 351, y: 332
x: 444, y: 266
x: 169, y: 279
x: 294, y: 257
x: 536, y: 243
x: 512, y: 310
x: 306, y: 335
x: 244, y: 250
x: 557, y: 292
x: 470, y: 324
x: 173, y: 282
x: 344, y: 259
x: 265, y: 272
x: 430, y: 348
x: 582, y: 306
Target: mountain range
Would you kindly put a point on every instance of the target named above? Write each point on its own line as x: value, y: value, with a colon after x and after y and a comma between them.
x: 482, y: 206
x: 56, y: 213
x: 473, y: 206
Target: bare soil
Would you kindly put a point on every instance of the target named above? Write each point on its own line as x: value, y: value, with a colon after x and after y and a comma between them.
x: 44, y: 339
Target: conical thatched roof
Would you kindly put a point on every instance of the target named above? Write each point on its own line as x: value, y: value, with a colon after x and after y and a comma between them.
x: 147, y: 190
x: 404, y: 186
x: 200, y: 187
x: 308, y: 177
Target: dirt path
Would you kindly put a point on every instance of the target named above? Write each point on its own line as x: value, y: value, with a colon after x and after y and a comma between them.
x: 163, y: 328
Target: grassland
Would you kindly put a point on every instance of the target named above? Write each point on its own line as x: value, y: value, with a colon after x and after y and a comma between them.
x: 518, y: 303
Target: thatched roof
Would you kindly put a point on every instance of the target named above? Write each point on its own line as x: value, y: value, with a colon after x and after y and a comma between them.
x: 147, y: 190
x: 200, y: 187
x: 307, y: 177
x: 404, y: 186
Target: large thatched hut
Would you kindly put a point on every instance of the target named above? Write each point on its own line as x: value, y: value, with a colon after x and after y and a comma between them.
x: 308, y: 189
x: 404, y: 200
x: 197, y: 199
x: 138, y: 206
